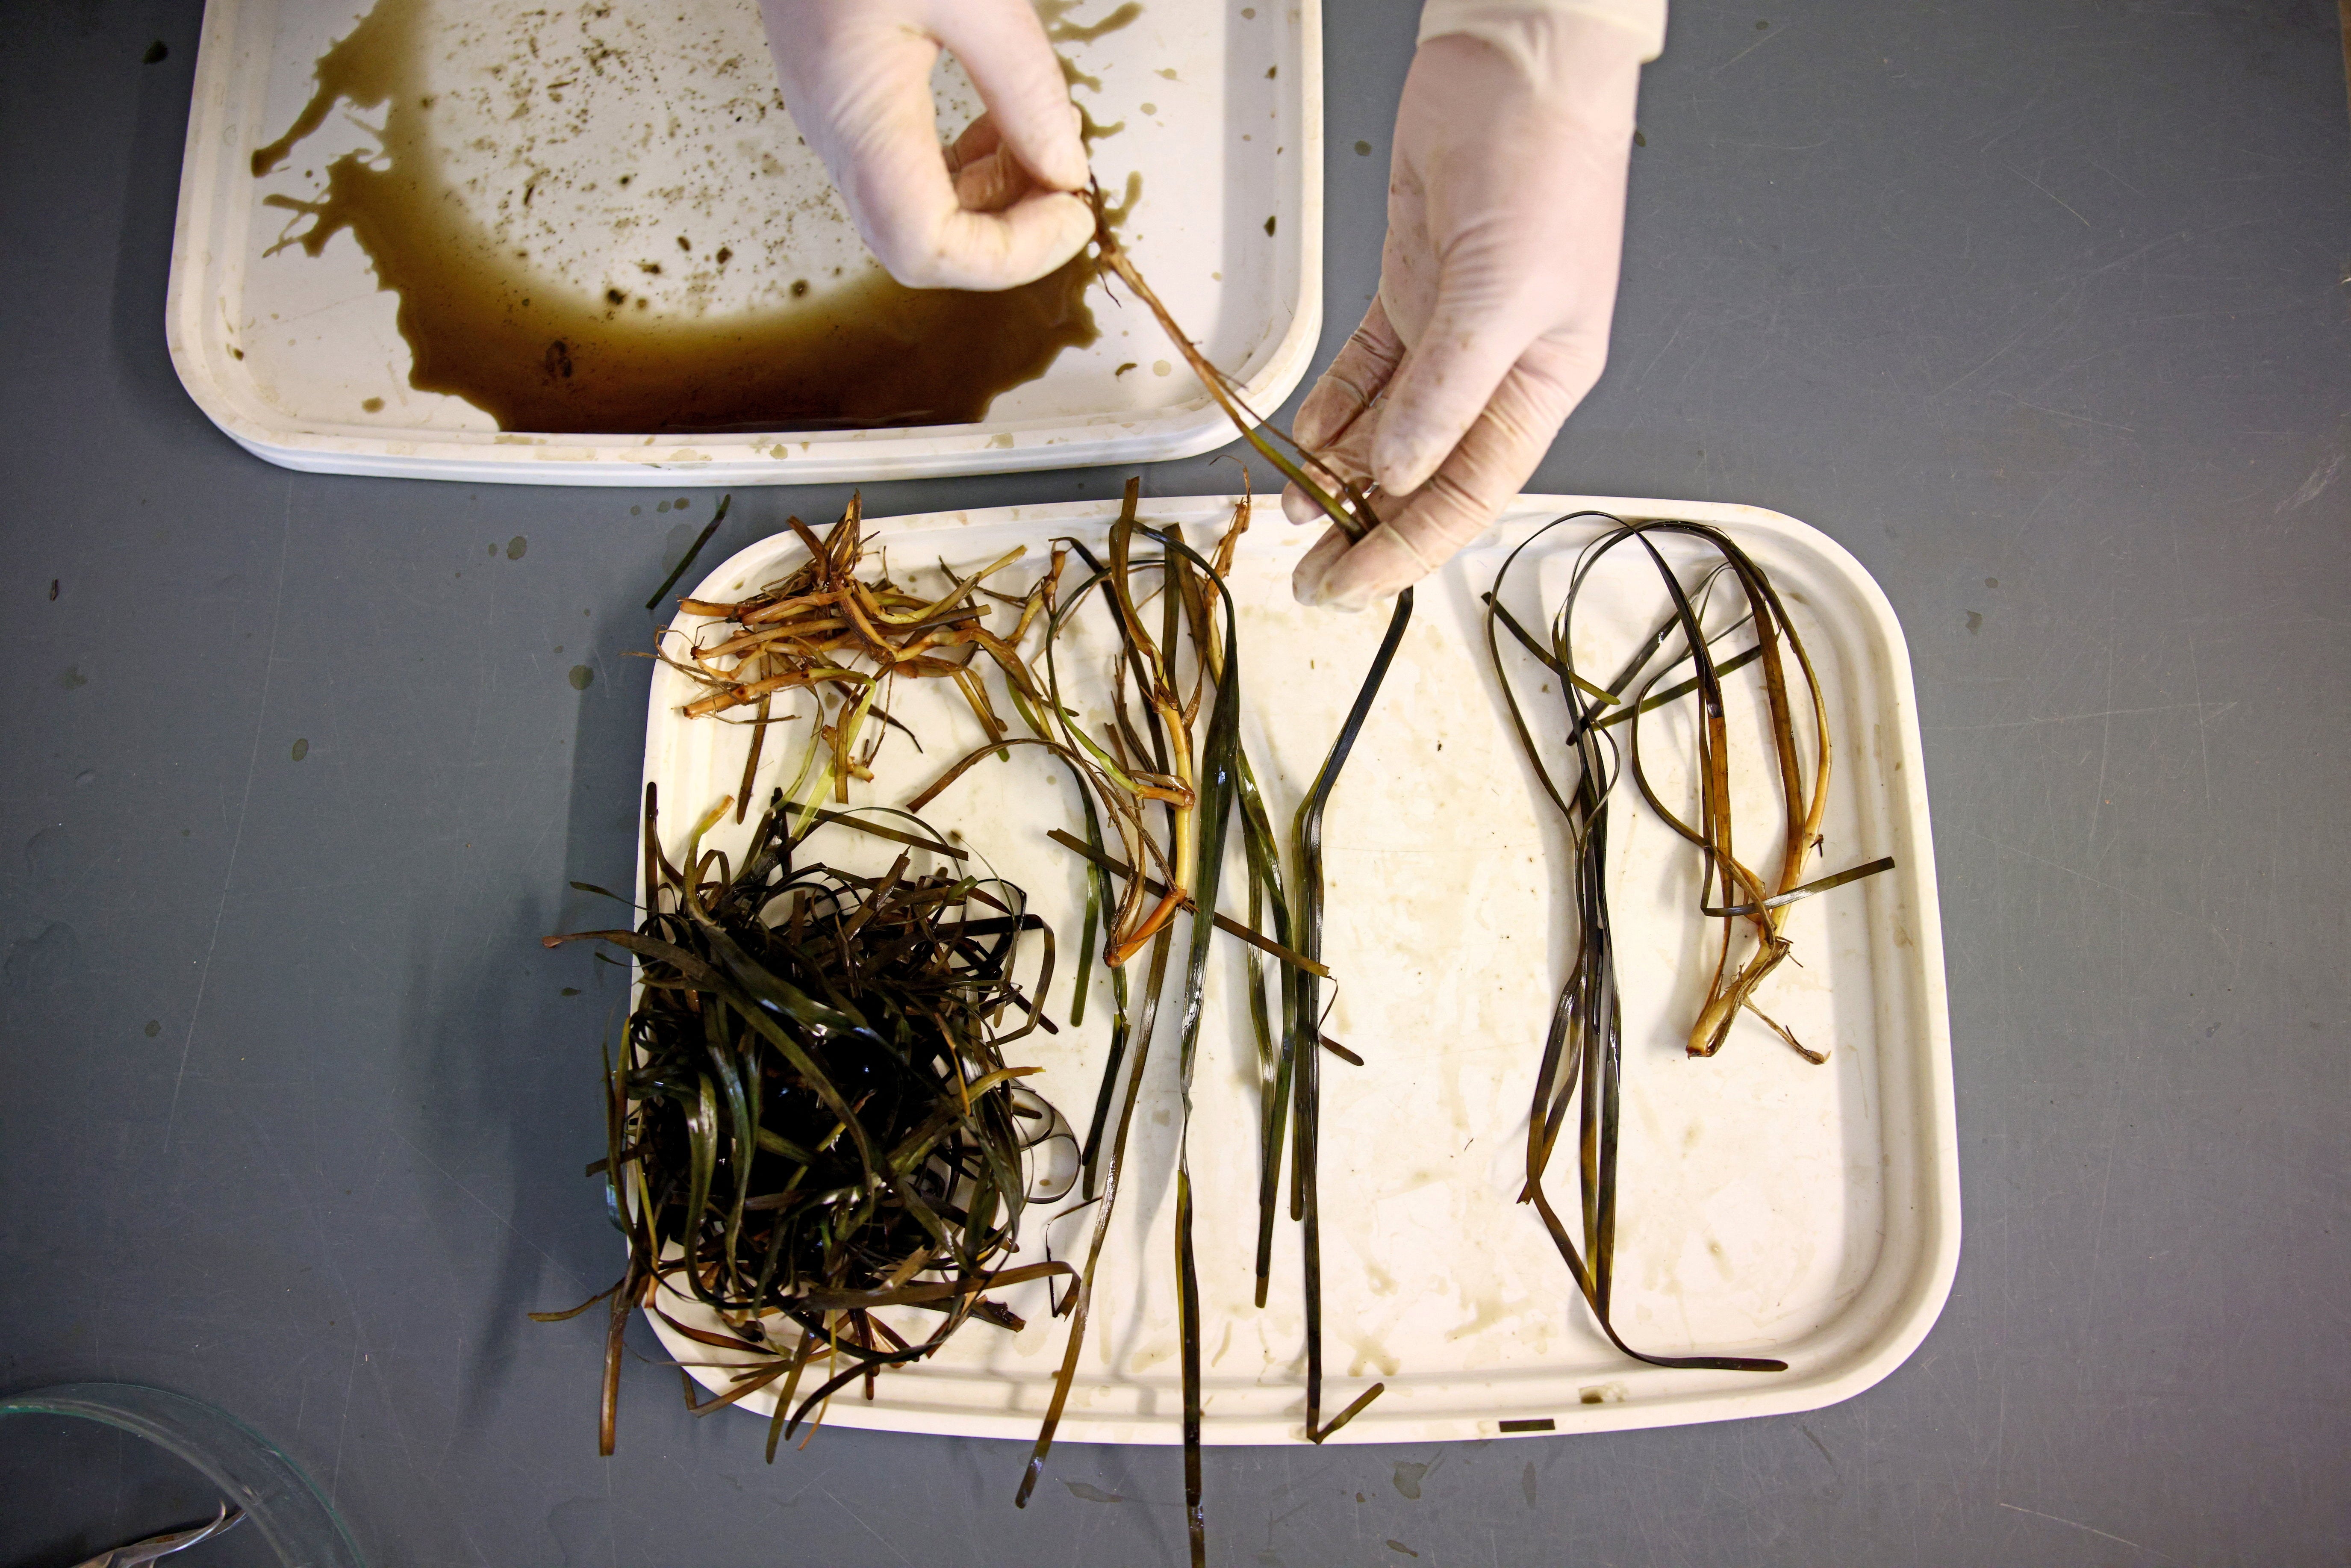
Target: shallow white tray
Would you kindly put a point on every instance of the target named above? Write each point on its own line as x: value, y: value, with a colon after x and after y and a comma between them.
x: 1770, y: 1207
x: 298, y: 358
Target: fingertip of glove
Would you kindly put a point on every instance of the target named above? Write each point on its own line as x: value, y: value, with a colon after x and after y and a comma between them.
x: 1298, y: 508
x: 1066, y: 168
x: 1382, y: 563
x: 1309, y: 579
x: 1075, y: 217
x: 1061, y: 161
x: 1076, y: 222
x: 1316, y: 594
x: 1402, y: 461
x: 1309, y: 592
x: 989, y: 251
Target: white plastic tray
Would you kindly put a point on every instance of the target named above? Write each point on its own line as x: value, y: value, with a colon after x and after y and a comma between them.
x: 299, y: 359
x: 1769, y: 1206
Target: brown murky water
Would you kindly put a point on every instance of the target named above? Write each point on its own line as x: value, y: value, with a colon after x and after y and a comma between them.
x: 537, y: 355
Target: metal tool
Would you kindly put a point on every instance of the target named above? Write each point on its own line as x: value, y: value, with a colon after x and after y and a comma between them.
x: 139, y: 1553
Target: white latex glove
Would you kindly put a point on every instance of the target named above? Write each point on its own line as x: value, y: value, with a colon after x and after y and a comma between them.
x: 990, y: 211
x: 1506, y: 219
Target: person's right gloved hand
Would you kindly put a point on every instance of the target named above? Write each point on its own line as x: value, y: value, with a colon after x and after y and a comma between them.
x: 994, y: 210
x: 1506, y: 217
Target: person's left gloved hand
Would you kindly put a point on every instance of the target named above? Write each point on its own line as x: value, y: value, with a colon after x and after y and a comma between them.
x: 1506, y: 216
x: 992, y: 211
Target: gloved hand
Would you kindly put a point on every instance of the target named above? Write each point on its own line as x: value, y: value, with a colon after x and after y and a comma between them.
x: 1506, y: 217
x: 988, y: 213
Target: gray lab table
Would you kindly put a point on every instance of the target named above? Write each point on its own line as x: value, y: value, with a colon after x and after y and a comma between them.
x: 2036, y: 305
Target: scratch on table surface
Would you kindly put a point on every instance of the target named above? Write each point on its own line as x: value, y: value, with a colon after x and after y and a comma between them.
x: 351, y: 1306
x: 2127, y: 260
x: 400, y: 1429
x: 2203, y: 749
x: 350, y: 1376
x: 2075, y: 418
x: 2117, y: 179
x: 2017, y: 121
x: 1641, y: 380
x: 2099, y: 801
x: 2219, y: 934
x: 485, y: 1208
x: 612, y: 1534
x: 863, y: 1525
x: 1748, y: 49
x: 2121, y: 1085
x: 2320, y: 477
x: 2023, y: 332
x: 1771, y: 146
x: 2094, y: 1530
x: 2203, y: 710
x: 236, y: 838
x: 2047, y: 192
x: 301, y: 1387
